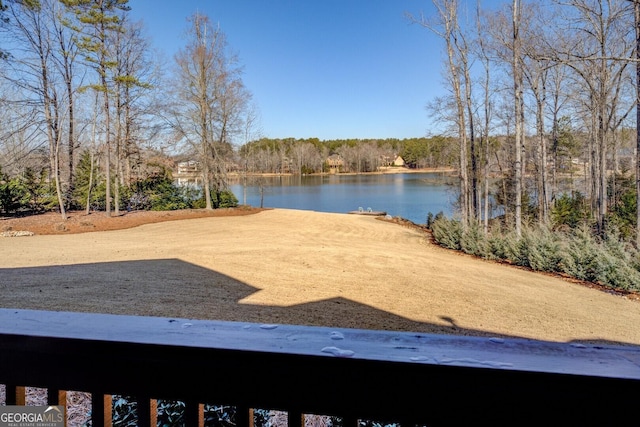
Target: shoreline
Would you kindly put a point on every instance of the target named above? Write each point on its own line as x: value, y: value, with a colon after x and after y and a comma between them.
x: 383, y: 171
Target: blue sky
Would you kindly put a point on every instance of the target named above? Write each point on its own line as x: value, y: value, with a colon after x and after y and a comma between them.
x: 331, y: 69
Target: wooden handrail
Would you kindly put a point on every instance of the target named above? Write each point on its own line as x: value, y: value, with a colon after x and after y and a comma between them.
x: 355, y: 374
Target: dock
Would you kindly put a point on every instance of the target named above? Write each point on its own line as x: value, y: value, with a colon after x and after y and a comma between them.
x: 368, y: 211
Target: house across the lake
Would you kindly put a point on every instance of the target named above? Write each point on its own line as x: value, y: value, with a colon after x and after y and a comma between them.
x: 399, y: 161
x: 335, y: 163
x: 188, y: 174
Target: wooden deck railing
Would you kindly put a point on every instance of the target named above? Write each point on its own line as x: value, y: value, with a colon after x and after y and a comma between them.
x: 413, y: 379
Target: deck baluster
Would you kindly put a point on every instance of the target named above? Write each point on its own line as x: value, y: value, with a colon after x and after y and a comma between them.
x: 16, y: 395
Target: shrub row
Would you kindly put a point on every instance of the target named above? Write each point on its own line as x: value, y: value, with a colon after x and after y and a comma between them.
x: 156, y: 192
x: 608, y: 261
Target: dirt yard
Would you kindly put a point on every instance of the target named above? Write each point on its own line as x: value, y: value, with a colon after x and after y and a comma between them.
x: 297, y: 267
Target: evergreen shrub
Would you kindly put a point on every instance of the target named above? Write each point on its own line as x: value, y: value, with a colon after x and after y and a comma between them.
x: 225, y: 199
x: 447, y: 232
x: 581, y: 257
x: 222, y: 199
x: 577, y: 253
x: 539, y: 249
x: 570, y: 210
x: 474, y: 241
x: 499, y: 244
x: 13, y: 195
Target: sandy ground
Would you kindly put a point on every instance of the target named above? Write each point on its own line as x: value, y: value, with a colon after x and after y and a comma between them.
x: 296, y: 267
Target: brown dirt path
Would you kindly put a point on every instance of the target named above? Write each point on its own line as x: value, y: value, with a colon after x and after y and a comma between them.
x: 300, y: 267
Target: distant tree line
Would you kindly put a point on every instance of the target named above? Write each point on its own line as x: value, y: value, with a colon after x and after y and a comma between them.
x: 303, y: 156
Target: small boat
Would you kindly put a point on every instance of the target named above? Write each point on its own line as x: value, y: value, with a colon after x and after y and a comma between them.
x: 368, y: 211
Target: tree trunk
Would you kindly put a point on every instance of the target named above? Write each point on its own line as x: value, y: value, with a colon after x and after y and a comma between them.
x: 88, y: 209
x: 118, y: 153
x: 71, y: 135
x: 637, y: 23
x: 519, y: 116
x: 107, y: 146
x: 474, y: 191
x: 543, y: 202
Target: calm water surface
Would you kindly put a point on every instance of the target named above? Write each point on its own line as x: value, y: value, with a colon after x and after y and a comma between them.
x: 410, y: 196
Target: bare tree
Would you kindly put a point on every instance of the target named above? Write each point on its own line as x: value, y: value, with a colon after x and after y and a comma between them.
x: 484, y: 56
x: 600, y: 57
x: 559, y: 96
x: 536, y: 73
x: 133, y: 69
x: 21, y: 144
x: 33, y: 25
x: 517, y: 68
x: 636, y: 15
x: 447, y: 27
x: 305, y: 157
x: 213, y: 99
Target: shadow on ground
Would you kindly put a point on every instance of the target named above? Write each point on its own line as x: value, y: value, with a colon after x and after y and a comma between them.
x: 174, y: 288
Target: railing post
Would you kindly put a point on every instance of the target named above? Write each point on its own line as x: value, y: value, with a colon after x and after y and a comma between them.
x: 101, y: 405
x: 153, y: 404
x: 16, y: 395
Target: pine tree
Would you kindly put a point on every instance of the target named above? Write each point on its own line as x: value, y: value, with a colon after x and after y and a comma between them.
x: 96, y: 20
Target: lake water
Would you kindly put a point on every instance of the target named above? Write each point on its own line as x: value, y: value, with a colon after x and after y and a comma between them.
x: 411, y: 196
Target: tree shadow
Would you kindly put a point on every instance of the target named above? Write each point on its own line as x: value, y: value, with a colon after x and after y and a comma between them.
x: 175, y: 288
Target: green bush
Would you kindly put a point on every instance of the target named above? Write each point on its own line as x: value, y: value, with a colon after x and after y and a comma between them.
x: 221, y: 199
x: 623, y: 214
x: 538, y: 249
x: 570, y: 210
x: 447, y: 233
x: 225, y: 199
x: 158, y: 193
x: 581, y: 258
x: 13, y: 195
x: 499, y: 243
x: 474, y: 241
x: 610, y: 262
x: 498, y: 247
x: 41, y: 196
x: 85, y: 174
x: 430, y: 220
x: 168, y: 198
x: 618, y: 274
x: 621, y: 190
